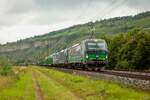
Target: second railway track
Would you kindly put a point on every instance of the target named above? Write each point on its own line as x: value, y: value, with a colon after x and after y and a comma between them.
x: 139, y: 80
x: 130, y: 74
x: 137, y: 75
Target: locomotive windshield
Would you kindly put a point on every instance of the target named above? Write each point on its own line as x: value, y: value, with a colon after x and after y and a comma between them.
x: 96, y: 45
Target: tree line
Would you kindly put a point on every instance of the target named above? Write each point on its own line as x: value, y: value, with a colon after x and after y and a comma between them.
x: 129, y: 51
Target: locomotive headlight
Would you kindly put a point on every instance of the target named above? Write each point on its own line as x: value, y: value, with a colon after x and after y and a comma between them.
x: 87, y: 56
x: 106, y: 57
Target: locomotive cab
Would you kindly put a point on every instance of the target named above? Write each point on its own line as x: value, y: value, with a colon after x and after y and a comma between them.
x: 96, y: 52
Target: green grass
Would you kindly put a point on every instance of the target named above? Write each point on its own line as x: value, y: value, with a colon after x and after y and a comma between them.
x: 53, y: 90
x: 56, y: 85
x: 20, y: 89
x: 94, y: 89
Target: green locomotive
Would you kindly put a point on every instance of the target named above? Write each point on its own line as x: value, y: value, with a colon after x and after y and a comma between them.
x: 89, y: 53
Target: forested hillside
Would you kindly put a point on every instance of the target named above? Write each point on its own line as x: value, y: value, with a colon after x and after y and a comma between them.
x: 35, y: 49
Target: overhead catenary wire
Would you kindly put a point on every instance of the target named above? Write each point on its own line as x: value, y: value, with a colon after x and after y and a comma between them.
x: 85, y: 10
x: 106, y: 7
x: 114, y: 6
x: 91, y: 25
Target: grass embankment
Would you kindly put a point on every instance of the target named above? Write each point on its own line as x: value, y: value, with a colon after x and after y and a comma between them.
x: 86, y: 88
x: 38, y: 83
x: 18, y: 87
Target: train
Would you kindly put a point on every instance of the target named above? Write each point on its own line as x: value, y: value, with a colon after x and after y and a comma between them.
x: 88, y: 54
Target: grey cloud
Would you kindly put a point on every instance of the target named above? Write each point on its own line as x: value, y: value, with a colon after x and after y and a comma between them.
x: 139, y: 4
x: 55, y: 11
x: 60, y: 3
x: 32, y: 15
x: 20, y: 6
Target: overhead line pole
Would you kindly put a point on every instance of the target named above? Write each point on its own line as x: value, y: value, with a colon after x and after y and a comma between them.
x: 91, y: 30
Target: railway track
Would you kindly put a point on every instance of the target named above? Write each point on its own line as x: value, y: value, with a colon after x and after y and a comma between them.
x: 139, y: 80
x: 129, y: 74
x: 137, y: 75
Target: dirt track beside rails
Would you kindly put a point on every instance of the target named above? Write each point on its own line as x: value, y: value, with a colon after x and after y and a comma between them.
x: 39, y: 94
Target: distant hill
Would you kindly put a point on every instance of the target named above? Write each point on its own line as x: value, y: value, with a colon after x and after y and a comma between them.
x: 35, y: 49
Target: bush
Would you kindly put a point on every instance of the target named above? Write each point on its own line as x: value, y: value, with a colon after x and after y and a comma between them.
x: 122, y: 65
x: 5, y: 67
x: 129, y: 50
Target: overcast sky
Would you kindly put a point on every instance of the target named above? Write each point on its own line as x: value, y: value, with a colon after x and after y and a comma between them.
x: 20, y: 19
